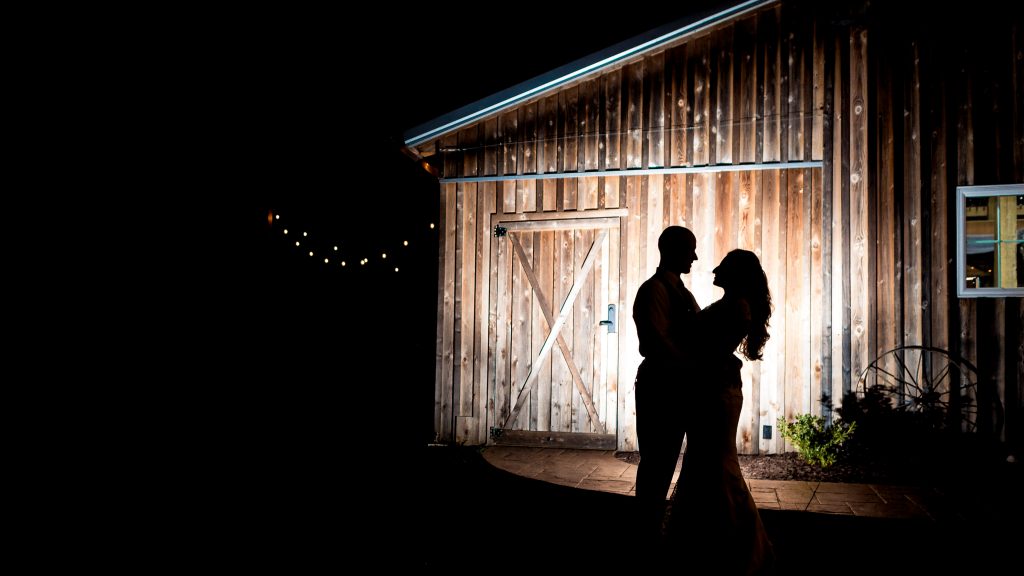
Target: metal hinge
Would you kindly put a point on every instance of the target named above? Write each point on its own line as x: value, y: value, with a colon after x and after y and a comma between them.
x: 496, y: 432
x: 500, y: 231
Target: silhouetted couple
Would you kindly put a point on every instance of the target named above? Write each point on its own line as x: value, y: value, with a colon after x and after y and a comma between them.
x: 689, y: 385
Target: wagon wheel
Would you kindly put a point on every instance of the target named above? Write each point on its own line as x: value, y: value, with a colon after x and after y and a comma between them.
x: 935, y: 386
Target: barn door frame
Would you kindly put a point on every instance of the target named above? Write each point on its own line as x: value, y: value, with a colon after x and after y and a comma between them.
x: 607, y: 223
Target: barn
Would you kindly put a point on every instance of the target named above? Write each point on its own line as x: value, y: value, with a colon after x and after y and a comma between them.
x: 872, y: 156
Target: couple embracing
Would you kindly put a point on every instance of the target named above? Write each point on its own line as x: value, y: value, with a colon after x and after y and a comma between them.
x: 689, y: 385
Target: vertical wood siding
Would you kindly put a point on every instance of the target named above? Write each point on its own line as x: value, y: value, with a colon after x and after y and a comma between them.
x: 859, y: 253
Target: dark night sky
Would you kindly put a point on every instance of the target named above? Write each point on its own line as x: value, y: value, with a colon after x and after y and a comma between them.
x: 312, y: 115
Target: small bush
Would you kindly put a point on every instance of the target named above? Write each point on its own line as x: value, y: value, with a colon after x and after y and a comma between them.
x: 814, y: 442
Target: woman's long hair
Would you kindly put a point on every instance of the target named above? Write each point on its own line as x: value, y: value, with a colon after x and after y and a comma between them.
x: 752, y: 284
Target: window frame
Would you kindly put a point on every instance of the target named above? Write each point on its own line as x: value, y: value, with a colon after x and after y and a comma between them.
x: 962, y: 194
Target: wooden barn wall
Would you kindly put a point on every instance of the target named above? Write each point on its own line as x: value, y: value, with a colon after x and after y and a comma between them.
x: 858, y: 252
x: 949, y: 113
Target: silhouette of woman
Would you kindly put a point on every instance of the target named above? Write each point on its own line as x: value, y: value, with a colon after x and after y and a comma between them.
x: 713, y: 516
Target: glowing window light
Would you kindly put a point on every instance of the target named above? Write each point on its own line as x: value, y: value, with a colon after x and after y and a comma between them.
x: 396, y: 268
x: 342, y: 262
x: 384, y: 255
x: 310, y: 252
x: 285, y: 230
x: 304, y: 234
x: 335, y: 248
x: 405, y: 243
x: 431, y: 225
x: 277, y: 216
x: 362, y: 262
x: 325, y: 261
x: 296, y: 242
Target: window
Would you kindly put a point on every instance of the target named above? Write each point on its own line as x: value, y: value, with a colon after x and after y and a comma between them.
x: 990, y: 241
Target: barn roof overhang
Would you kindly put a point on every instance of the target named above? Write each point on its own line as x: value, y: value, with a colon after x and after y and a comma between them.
x: 575, y: 70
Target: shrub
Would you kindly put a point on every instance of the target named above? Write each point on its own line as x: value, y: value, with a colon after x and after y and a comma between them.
x: 816, y: 443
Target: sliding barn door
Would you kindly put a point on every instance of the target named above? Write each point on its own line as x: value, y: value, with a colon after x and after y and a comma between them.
x: 556, y: 347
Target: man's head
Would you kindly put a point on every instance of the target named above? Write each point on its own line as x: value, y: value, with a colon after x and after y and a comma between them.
x: 678, y: 247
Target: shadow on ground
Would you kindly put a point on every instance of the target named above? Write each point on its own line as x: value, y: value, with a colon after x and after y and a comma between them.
x: 471, y: 515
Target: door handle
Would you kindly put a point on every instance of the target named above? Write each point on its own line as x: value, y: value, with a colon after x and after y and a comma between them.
x: 610, y: 322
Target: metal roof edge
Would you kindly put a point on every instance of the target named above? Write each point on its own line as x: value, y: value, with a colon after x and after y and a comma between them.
x: 574, y: 70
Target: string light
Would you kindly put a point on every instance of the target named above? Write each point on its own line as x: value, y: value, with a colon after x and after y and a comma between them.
x: 312, y: 250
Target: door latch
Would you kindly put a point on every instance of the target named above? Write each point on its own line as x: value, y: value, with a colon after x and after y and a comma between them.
x: 610, y: 322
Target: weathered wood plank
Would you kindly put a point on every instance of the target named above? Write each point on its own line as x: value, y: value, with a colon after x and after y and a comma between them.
x: 912, y: 199
x: 860, y: 259
x: 821, y: 61
x: 587, y: 193
x: 583, y: 350
x: 570, y: 195
x: 457, y: 340
x: 561, y: 377
x: 556, y: 440
x: 812, y: 180
x: 538, y: 327
x: 770, y: 395
x: 526, y: 195
x: 486, y: 297
x: 798, y: 285
x: 547, y: 135
x: 726, y: 216
x: 629, y: 353
x: 679, y: 106
x: 612, y: 134
x: 610, y: 192
x: 633, y: 80
x: 548, y: 192
x: 470, y: 150
x: 655, y: 116
x: 600, y: 346
x: 452, y: 160
x: 750, y: 239
x: 590, y: 101
x: 503, y: 306
x: 887, y: 275
x: 674, y: 185
x: 522, y: 333
x: 796, y: 82
x: 943, y: 227
x: 610, y: 413
x: 447, y: 348
x: 700, y: 65
x: 841, y: 279
x: 827, y: 222
x: 747, y: 52
x: 543, y: 311
x: 725, y: 103
x: 508, y: 126
x: 571, y: 127
x: 490, y: 145
x: 467, y: 301
x: 700, y: 280
x: 528, y: 114
x: 768, y: 27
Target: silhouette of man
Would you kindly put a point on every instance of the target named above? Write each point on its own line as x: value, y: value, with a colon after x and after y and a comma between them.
x: 665, y: 314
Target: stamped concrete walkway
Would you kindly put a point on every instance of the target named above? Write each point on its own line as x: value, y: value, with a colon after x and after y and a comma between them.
x: 600, y: 470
